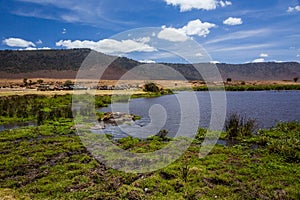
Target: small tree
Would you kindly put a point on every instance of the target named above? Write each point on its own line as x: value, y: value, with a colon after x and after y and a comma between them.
x: 25, y: 81
x: 228, y: 80
x: 40, y: 81
x: 151, y: 87
x: 68, y: 83
x: 295, y: 79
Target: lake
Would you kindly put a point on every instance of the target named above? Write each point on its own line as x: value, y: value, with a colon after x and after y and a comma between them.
x: 267, y: 107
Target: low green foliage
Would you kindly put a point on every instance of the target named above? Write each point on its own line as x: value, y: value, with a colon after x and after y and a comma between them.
x: 49, y: 161
x: 154, y: 89
x: 283, y: 140
x: 239, y: 126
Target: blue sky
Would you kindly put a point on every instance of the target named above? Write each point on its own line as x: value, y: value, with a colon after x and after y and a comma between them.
x: 233, y: 31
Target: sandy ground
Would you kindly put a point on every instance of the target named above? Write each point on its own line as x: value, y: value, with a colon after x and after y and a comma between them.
x: 10, y: 92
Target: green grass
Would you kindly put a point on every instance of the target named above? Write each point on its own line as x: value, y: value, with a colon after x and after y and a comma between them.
x: 50, y: 162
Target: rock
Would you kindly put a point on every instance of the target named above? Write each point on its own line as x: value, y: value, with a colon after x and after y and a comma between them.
x: 98, y: 126
x: 117, y: 118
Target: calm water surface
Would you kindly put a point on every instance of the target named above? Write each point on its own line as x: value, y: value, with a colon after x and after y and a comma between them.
x: 267, y: 107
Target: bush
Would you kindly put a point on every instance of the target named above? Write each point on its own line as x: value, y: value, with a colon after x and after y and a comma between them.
x: 239, y: 126
x: 151, y: 87
x: 68, y: 83
x: 162, y: 133
x: 40, y: 81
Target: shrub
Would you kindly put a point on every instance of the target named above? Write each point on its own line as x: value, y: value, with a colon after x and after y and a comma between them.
x: 40, y: 81
x: 68, y: 83
x: 239, y: 126
x: 162, y: 134
x: 151, y: 87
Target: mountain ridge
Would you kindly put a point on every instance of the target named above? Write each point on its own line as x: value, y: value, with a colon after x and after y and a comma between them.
x: 66, y: 62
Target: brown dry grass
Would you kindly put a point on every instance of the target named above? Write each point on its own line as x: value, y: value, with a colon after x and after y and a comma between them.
x: 13, y: 86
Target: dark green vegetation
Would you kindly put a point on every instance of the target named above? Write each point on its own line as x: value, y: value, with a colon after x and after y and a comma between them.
x: 151, y: 87
x: 239, y: 126
x: 15, y: 62
x: 154, y: 89
x: 40, y: 108
x: 248, y: 87
x: 49, y: 161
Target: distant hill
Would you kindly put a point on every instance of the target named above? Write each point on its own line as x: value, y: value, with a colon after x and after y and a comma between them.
x: 65, y: 64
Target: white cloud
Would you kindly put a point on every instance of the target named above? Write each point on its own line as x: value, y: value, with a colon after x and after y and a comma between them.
x: 39, y: 42
x: 278, y: 61
x: 172, y: 34
x: 64, y: 31
x: 225, y: 3
x: 240, y: 35
x: 293, y: 9
x: 232, y: 21
x: 186, y: 5
x: 147, y: 61
x: 258, y: 60
x: 93, y: 12
x: 70, y: 18
x: 298, y: 55
x: 238, y: 48
x: 18, y: 42
x: 195, y: 27
x: 33, y: 48
x: 264, y: 55
x: 214, y: 62
x: 143, y: 39
x: 109, y: 46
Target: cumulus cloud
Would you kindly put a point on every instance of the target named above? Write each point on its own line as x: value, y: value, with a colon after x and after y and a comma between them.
x: 293, y: 9
x: 187, y: 5
x: 258, y: 60
x: 33, y: 48
x: 18, y: 42
x: 214, y: 62
x: 264, y: 55
x: 232, y: 21
x: 147, y: 61
x: 109, y: 46
x: 195, y: 27
x: 172, y: 34
x: 225, y: 3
